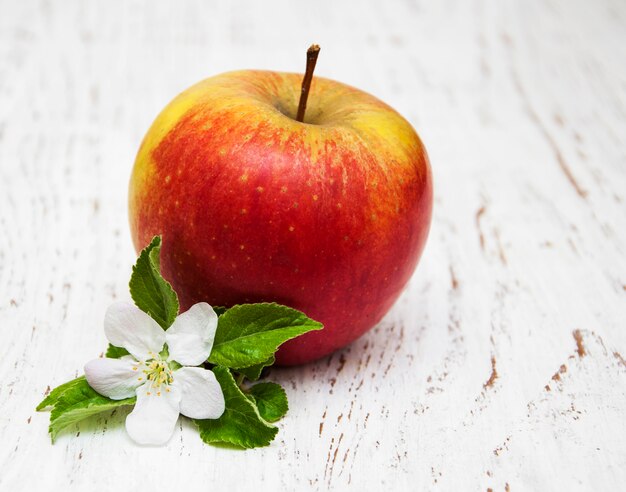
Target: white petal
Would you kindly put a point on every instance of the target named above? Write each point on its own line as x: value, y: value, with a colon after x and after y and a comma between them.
x: 201, y: 394
x: 125, y: 325
x: 154, y: 417
x: 190, y: 338
x: 114, y: 378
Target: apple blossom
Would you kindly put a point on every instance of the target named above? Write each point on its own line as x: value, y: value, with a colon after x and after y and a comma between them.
x: 159, y: 369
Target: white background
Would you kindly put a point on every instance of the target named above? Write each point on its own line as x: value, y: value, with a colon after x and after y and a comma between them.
x: 522, y: 106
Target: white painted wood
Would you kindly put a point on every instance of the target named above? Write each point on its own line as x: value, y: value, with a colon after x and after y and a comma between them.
x: 500, y: 366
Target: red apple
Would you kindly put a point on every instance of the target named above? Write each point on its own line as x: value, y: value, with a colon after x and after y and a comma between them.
x: 328, y: 216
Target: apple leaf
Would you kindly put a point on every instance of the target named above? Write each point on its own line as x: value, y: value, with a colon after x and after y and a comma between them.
x: 53, y: 397
x: 150, y: 291
x: 254, y: 372
x: 241, y: 424
x: 114, y: 352
x: 75, y: 401
x: 271, y: 400
x: 249, y: 334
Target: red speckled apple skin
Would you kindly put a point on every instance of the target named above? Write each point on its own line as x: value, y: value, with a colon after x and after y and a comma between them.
x: 329, y: 217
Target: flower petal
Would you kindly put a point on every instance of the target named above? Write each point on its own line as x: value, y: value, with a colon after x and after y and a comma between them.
x: 114, y: 378
x: 125, y: 325
x: 190, y: 338
x: 201, y: 394
x: 154, y: 417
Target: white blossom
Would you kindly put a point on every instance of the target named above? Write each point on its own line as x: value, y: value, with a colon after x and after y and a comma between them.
x: 159, y: 369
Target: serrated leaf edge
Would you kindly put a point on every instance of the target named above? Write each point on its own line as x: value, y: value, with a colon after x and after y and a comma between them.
x: 317, y: 324
x: 46, y: 404
x: 53, y: 419
x: 155, y: 244
x: 252, y: 404
x: 284, y: 394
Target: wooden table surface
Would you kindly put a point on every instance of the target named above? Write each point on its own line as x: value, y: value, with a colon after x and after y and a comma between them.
x: 503, y: 364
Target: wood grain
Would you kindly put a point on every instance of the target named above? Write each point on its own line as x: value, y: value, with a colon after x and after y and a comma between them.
x: 502, y: 366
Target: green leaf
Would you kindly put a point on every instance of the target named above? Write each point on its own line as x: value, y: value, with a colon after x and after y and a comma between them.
x: 114, y: 352
x: 271, y: 400
x: 219, y: 310
x: 78, y: 402
x: 53, y: 397
x: 254, y: 372
x: 241, y: 425
x: 249, y: 334
x: 150, y: 291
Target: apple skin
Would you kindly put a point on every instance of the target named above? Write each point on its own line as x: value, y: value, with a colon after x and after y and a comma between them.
x: 328, y: 216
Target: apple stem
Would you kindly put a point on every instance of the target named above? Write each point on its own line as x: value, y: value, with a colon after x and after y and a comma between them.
x: 311, y: 60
